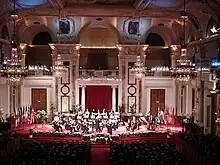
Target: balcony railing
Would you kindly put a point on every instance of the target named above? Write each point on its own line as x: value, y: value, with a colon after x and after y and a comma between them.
x: 38, y: 71
x: 98, y: 74
x: 158, y: 73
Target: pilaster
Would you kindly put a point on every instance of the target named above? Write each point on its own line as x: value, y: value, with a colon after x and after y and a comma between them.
x: 65, y: 84
x: 127, y: 57
x: 175, y: 54
x: 83, y: 97
x: 189, y: 99
x: 22, y: 52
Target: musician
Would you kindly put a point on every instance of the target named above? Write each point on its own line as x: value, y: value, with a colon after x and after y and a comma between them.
x: 57, y: 126
x: 72, y: 125
x: 109, y: 127
x: 93, y: 124
x: 161, y: 116
x: 128, y: 127
x: 86, y: 114
x: 138, y: 124
x: 85, y: 128
x: 93, y: 116
x: 105, y: 116
x: 97, y: 125
x: 133, y: 124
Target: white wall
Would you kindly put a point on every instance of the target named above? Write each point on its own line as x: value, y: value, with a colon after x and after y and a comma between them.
x: 158, y: 83
x: 4, y: 96
x: 37, y: 82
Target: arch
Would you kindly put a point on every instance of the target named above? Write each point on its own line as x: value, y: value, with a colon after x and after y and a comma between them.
x: 30, y: 32
x: 38, y: 55
x: 210, y: 24
x: 91, y: 25
x: 42, y: 38
x: 154, y: 39
x: 165, y: 33
x: 194, y: 21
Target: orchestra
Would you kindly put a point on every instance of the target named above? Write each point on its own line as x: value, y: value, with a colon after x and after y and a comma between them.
x: 86, y: 121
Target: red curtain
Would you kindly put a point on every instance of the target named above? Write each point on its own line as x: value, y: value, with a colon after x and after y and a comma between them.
x: 99, y: 97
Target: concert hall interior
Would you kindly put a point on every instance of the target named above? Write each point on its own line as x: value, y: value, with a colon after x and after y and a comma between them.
x: 110, y: 66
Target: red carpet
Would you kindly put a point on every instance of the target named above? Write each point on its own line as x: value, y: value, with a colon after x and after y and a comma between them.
x: 99, y: 155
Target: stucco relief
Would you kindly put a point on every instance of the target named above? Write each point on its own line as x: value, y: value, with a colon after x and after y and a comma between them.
x: 132, y: 49
x: 98, y: 82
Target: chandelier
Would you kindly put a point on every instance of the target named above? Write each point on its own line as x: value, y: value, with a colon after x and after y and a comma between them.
x: 184, y: 70
x: 12, y: 68
x: 139, y: 69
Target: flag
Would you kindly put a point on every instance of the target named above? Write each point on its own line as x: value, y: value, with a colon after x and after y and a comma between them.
x: 172, y: 117
x: 166, y: 114
x: 20, y: 110
x: 15, y: 118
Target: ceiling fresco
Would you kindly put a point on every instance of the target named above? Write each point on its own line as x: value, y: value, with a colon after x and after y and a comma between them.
x: 167, y: 3
x: 30, y: 3
x: 103, y: 2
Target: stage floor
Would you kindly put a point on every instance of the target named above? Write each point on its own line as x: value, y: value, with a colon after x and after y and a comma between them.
x: 24, y: 129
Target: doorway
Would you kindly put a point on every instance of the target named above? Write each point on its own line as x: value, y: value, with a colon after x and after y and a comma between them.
x: 157, y: 98
x: 39, y: 98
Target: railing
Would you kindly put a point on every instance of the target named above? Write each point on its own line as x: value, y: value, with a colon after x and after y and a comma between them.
x: 39, y: 73
x: 98, y: 73
x: 157, y: 73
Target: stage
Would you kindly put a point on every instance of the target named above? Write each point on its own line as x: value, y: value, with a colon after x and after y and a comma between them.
x: 24, y: 129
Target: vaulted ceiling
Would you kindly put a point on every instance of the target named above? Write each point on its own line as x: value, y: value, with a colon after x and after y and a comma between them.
x: 151, y: 8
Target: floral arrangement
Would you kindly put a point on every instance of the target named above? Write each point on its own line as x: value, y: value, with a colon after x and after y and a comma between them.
x: 55, y: 134
x: 41, y: 116
x: 100, y: 138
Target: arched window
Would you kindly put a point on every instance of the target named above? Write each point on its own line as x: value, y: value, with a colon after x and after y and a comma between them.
x: 42, y: 38
x: 154, y: 39
x: 40, y: 53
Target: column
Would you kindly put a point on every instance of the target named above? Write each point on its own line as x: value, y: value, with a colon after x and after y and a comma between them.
x: 83, y: 97
x: 213, y: 113
x: 175, y: 53
x: 22, y: 96
x: 120, y: 94
x: 113, y: 98
x: 175, y: 96
x: 188, y: 99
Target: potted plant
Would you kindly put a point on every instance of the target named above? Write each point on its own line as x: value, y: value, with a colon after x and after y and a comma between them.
x: 41, y: 117
x: 121, y: 108
x: 52, y: 109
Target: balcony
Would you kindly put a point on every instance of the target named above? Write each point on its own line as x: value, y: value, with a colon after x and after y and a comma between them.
x: 99, y: 74
x: 157, y: 74
x: 38, y: 71
x: 161, y: 71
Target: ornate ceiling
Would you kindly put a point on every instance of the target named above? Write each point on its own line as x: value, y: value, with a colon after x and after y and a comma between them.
x: 111, y: 8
